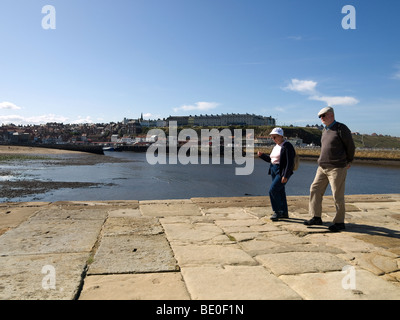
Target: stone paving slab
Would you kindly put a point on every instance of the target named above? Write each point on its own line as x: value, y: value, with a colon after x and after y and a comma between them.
x: 46, y: 255
x: 200, y: 248
x: 70, y: 213
x: 134, y: 204
x: 260, y: 247
x: 125, y: 213
x: 12, y: 217
x: 211, y: 254
x: 139, y: 226
x: 340, y: 241
x: 235, y: 283
x: 38, y: 236
x: 169, y: 208
x: 335, y: 286
x: 132, y: 245
x: 379, y: 263
x: 147, y: 286
x: 43, y: 276
x: 194, y: 233
x: 224, y: 202
x: 259, y: 212
x: 301, y: 262
x: 133, y: 254
x: 226, y: 213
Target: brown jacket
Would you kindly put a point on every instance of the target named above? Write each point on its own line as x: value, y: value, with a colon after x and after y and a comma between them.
x: 337, y: 147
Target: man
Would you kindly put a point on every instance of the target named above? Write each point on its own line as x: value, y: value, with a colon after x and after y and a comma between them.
x: 337, y: 153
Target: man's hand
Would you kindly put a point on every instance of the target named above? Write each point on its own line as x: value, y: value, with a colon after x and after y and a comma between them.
x: 284, y: 180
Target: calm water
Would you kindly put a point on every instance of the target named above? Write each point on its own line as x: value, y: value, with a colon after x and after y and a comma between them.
x: 138, y: 180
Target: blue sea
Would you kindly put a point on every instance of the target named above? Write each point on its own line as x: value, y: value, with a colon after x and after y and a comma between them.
x: 136, y: 179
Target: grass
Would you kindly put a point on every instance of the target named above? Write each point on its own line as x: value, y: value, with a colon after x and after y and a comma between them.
x: 378, y: 154
x: 374, y: 142
x: 360, y: 154
x: 20, y: 157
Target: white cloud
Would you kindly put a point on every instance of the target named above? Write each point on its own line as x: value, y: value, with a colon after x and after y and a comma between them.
x: 280, y: 109
x: 309, y: 87
x: 81, y: 120
x: 42, y: 119
x: 20, y: 120
x: 151, y: 116
x: 11, y: 119
x: 297, y: 38
x: 396, y: 76
x: 302, y: 86
x: 9, y: 105
x: 198, y: 106
x: 336, y: 101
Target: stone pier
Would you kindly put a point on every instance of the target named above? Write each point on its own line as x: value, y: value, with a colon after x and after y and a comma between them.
x: 198, y: 249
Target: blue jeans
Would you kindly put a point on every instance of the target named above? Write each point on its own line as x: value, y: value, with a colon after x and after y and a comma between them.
x: 277, y: 192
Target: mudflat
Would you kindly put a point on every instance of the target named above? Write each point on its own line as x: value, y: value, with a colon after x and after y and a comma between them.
x: 32, y: 150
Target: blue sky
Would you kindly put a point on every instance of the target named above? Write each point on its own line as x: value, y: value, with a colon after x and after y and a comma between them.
x: 106, y: 60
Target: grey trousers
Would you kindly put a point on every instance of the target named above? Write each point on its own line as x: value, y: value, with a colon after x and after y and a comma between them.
x: 336, y: 177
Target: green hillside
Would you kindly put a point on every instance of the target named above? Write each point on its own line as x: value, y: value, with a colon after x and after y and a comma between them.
x: 366, y: 141
x: 312, y: 135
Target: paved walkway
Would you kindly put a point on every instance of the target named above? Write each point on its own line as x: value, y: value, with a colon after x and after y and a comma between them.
x: 202, y: 248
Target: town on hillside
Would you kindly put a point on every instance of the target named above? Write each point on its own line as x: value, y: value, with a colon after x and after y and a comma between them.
x: 134, y: 131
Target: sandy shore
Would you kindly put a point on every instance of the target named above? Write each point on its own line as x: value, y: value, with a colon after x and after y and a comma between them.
x: 35, y: 150
x: 5, y: 149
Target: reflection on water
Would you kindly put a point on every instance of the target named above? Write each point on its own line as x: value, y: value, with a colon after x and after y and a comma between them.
x: 138, y: 180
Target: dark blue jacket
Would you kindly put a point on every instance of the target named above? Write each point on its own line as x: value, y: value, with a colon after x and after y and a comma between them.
x: 286, y: 162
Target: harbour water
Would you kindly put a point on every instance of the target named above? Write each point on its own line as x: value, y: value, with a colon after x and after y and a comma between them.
x: 136, y: 179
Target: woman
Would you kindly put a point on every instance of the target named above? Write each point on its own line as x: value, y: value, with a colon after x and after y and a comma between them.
x: 282, y: 162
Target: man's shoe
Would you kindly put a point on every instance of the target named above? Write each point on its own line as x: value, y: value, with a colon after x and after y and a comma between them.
x: 336, y: 227
x: 313, y: 221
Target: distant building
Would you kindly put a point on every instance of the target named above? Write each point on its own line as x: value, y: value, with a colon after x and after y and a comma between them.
x: 133, y: 127
x: 161, y: 123
x: 223, y: 120
x: 114, y: 138
x: 180, y: 120
x: 18, y: 137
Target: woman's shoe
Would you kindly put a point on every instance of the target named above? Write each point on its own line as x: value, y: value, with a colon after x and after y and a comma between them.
x: 275, y: 217
x: 278, y: 215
